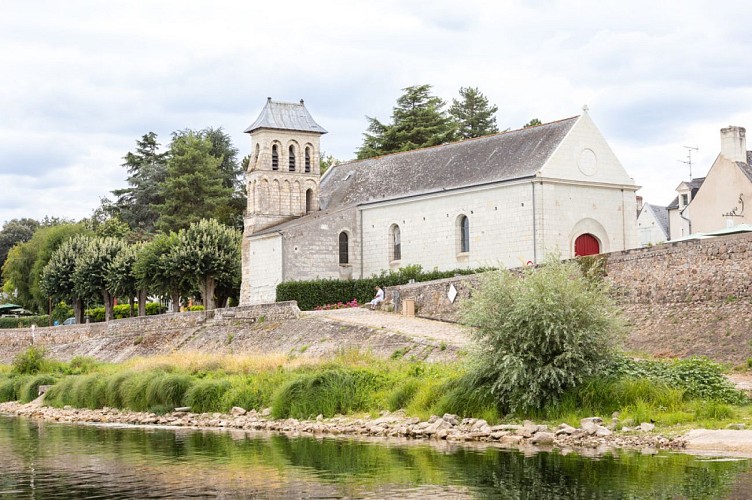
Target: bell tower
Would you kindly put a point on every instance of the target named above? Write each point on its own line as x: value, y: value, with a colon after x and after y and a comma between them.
x: 282, y: 179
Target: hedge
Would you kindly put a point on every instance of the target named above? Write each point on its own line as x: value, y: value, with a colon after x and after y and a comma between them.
x: 25, y: 321
x: 311, y: 294
x: 120, y: 311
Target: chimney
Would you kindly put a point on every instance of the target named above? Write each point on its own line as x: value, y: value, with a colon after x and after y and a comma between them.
x: 639, y: 203
x: 734, y: 143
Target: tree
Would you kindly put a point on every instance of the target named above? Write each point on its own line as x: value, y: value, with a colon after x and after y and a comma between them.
x: 158, y: 269
x: 15, y: 231
x: 136, y: 205
x: 541, y: 333
x: 91, y: 269
x: 26, y: 261
x: 209, y: 252
x: 122, y: 281
x: 194, y: 187
x: 418, y: 120
x: 232, y: 174
x: 57, y: 279
x: 326, y: 161
x: 532, y: 123
x: 473, y: 114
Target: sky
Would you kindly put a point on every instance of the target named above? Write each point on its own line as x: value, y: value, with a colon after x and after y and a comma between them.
x: 81, y: 81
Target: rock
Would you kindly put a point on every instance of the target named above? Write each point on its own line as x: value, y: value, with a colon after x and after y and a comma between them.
x: 266, y: 412
x: 736, y: 427
x: 319, y: 418
x: 647, y: 427
x: 452, y: 419
x: 511, y: 440
x: 478, y: 424
x: 182, y: 409
x: 506, y: 427
x: 432, y: 419
x: 237, y: 411
x: 437, y: 425
x: 602, y: 431
x: 441, y: 434
x: 542, y: 438
x: 498, y: 434
x: 565, y: 429
x: 591, y: 424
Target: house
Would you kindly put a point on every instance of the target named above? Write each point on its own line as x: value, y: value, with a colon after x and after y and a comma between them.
x: 506, y: 199
x: 652, y: 224
x: 716, y: 201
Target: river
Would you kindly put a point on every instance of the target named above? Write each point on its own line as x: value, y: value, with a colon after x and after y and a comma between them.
x: 49, y: 460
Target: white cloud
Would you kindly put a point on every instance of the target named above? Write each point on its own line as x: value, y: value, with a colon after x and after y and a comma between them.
x: 82, y: 80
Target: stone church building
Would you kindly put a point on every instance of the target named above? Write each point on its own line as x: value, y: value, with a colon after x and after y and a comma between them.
x: 501, y: 200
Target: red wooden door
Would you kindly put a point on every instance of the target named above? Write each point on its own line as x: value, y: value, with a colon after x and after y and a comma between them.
x: 586, y: 244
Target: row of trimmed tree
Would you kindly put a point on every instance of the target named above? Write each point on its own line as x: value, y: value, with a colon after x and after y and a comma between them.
x: 205, y: 257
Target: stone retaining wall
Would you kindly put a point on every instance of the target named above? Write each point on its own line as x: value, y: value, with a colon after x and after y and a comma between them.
x: 16, y: 338
x: 681, y: 299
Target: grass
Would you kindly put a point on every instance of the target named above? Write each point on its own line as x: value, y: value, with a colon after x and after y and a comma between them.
x: 353, y: 382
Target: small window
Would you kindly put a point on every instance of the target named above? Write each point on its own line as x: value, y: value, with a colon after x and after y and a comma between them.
x: 464, y: 227
x: 685, y: 200
x: 275, y: 158
x: 396, y: 243
x: 344, y: 254
x: 308, y: 160
x: 291, y: 155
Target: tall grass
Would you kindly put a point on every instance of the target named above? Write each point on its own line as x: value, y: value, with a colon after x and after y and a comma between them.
x: 207, y: 396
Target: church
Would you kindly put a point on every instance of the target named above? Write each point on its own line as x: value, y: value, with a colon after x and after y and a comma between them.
x: 502, y: 200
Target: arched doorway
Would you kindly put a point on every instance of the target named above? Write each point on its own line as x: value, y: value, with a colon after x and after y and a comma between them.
x: 586, y: 244
x: 309, y: 200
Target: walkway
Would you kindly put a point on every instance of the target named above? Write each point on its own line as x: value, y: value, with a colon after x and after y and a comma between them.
x: 450, y: 333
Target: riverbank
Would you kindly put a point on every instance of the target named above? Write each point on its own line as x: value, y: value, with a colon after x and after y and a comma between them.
x: 591, y: 437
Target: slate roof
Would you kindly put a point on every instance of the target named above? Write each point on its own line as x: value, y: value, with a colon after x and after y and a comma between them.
x: 694, y: 186
x: 661, y: 215
x: 285, y: 116
x: 500, y: 157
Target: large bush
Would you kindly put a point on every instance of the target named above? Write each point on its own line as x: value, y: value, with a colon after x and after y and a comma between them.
x: 310, y: 294
x: 541, y: 332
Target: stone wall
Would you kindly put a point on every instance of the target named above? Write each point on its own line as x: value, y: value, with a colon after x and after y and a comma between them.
x: 680, y: 299
x: 13, y: 340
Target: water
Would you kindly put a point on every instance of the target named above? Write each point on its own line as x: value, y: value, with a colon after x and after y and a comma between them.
x: 47, y: 460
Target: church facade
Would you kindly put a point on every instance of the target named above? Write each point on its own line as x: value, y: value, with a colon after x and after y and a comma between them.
x: 501, y: 200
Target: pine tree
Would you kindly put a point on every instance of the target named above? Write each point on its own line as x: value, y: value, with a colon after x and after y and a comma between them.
x: 473, y: 114
x: 532, y: 123
x: 418, y: 121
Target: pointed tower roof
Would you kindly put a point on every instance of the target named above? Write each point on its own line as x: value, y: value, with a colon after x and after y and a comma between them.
x: 285, y: 116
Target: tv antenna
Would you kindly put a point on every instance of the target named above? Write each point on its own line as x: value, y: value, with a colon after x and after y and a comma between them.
x: 688, y: 161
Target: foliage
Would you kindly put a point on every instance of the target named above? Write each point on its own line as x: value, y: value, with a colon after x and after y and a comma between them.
x: 91, y: 269
x: 25, y: 321
x: 137, y: 204
x: 198, y: 307
x: 57, y: 279
x: 541, y: 333
x: 209, y: 253
x: 700, y: 378
x: 13, y: 232
x: 61, y: 311
x: 418, y: 120
x: 326, y: 161
x: 121, y: 279
x: 158, y: 269
x: 533, y: 123
x: 315, y: 293
x: 194, y: 188
x: 121, y: 311
x: 474, y: 116
x: 206, y: 395
x: 338, y: 305
x: 29, y: 390
x: 30, y: 362
x: 26, y: 261
x: 326, y: 393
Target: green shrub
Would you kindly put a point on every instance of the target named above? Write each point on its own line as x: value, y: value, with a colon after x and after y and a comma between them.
x: 466, y: 398
x: 29, y: 391
x: 403, y: 394
x: 197, y: 307
x: 121, y: 311
x: 541, y: 333
x: 81, y: 365
x: 326, y: 393
x: 89, y: 391
x: 7, y: 391
x: 167, y: 391
x: 25, y: 321
x: 207, y: 396
x: 114, y: 398
x: 61, y: 312
x: 134, y: 390
x: 310, y: 294
x: 61, y: 393
x: 253, y: 392
x: 30, y: 361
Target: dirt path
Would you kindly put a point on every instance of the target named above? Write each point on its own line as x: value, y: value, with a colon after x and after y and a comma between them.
x: 450, y: 333
x: 738, y: 442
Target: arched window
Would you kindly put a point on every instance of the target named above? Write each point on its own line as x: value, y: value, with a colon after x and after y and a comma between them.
x: 344, y: 251
x: 275, y: 158
x: 309, y: 200
x: 291, y: 155
x: 396, y: 243
x: 307, y: 160
x: 463, y: 224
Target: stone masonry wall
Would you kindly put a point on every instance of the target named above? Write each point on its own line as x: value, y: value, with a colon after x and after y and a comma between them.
x: 679, y: 299
x: 18, y: 338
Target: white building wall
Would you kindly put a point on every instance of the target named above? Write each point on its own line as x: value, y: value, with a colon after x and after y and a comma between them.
x: 649, y: 231
x: 265, y: 270
x: 501, y: 229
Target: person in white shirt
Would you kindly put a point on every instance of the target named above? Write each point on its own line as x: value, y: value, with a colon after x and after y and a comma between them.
x: 379, y: 298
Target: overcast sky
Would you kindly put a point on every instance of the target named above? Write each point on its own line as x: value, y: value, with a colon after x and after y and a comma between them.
x: 81, y: 81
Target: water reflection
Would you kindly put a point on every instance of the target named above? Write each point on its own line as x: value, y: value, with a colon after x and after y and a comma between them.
x: 45, y: 460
